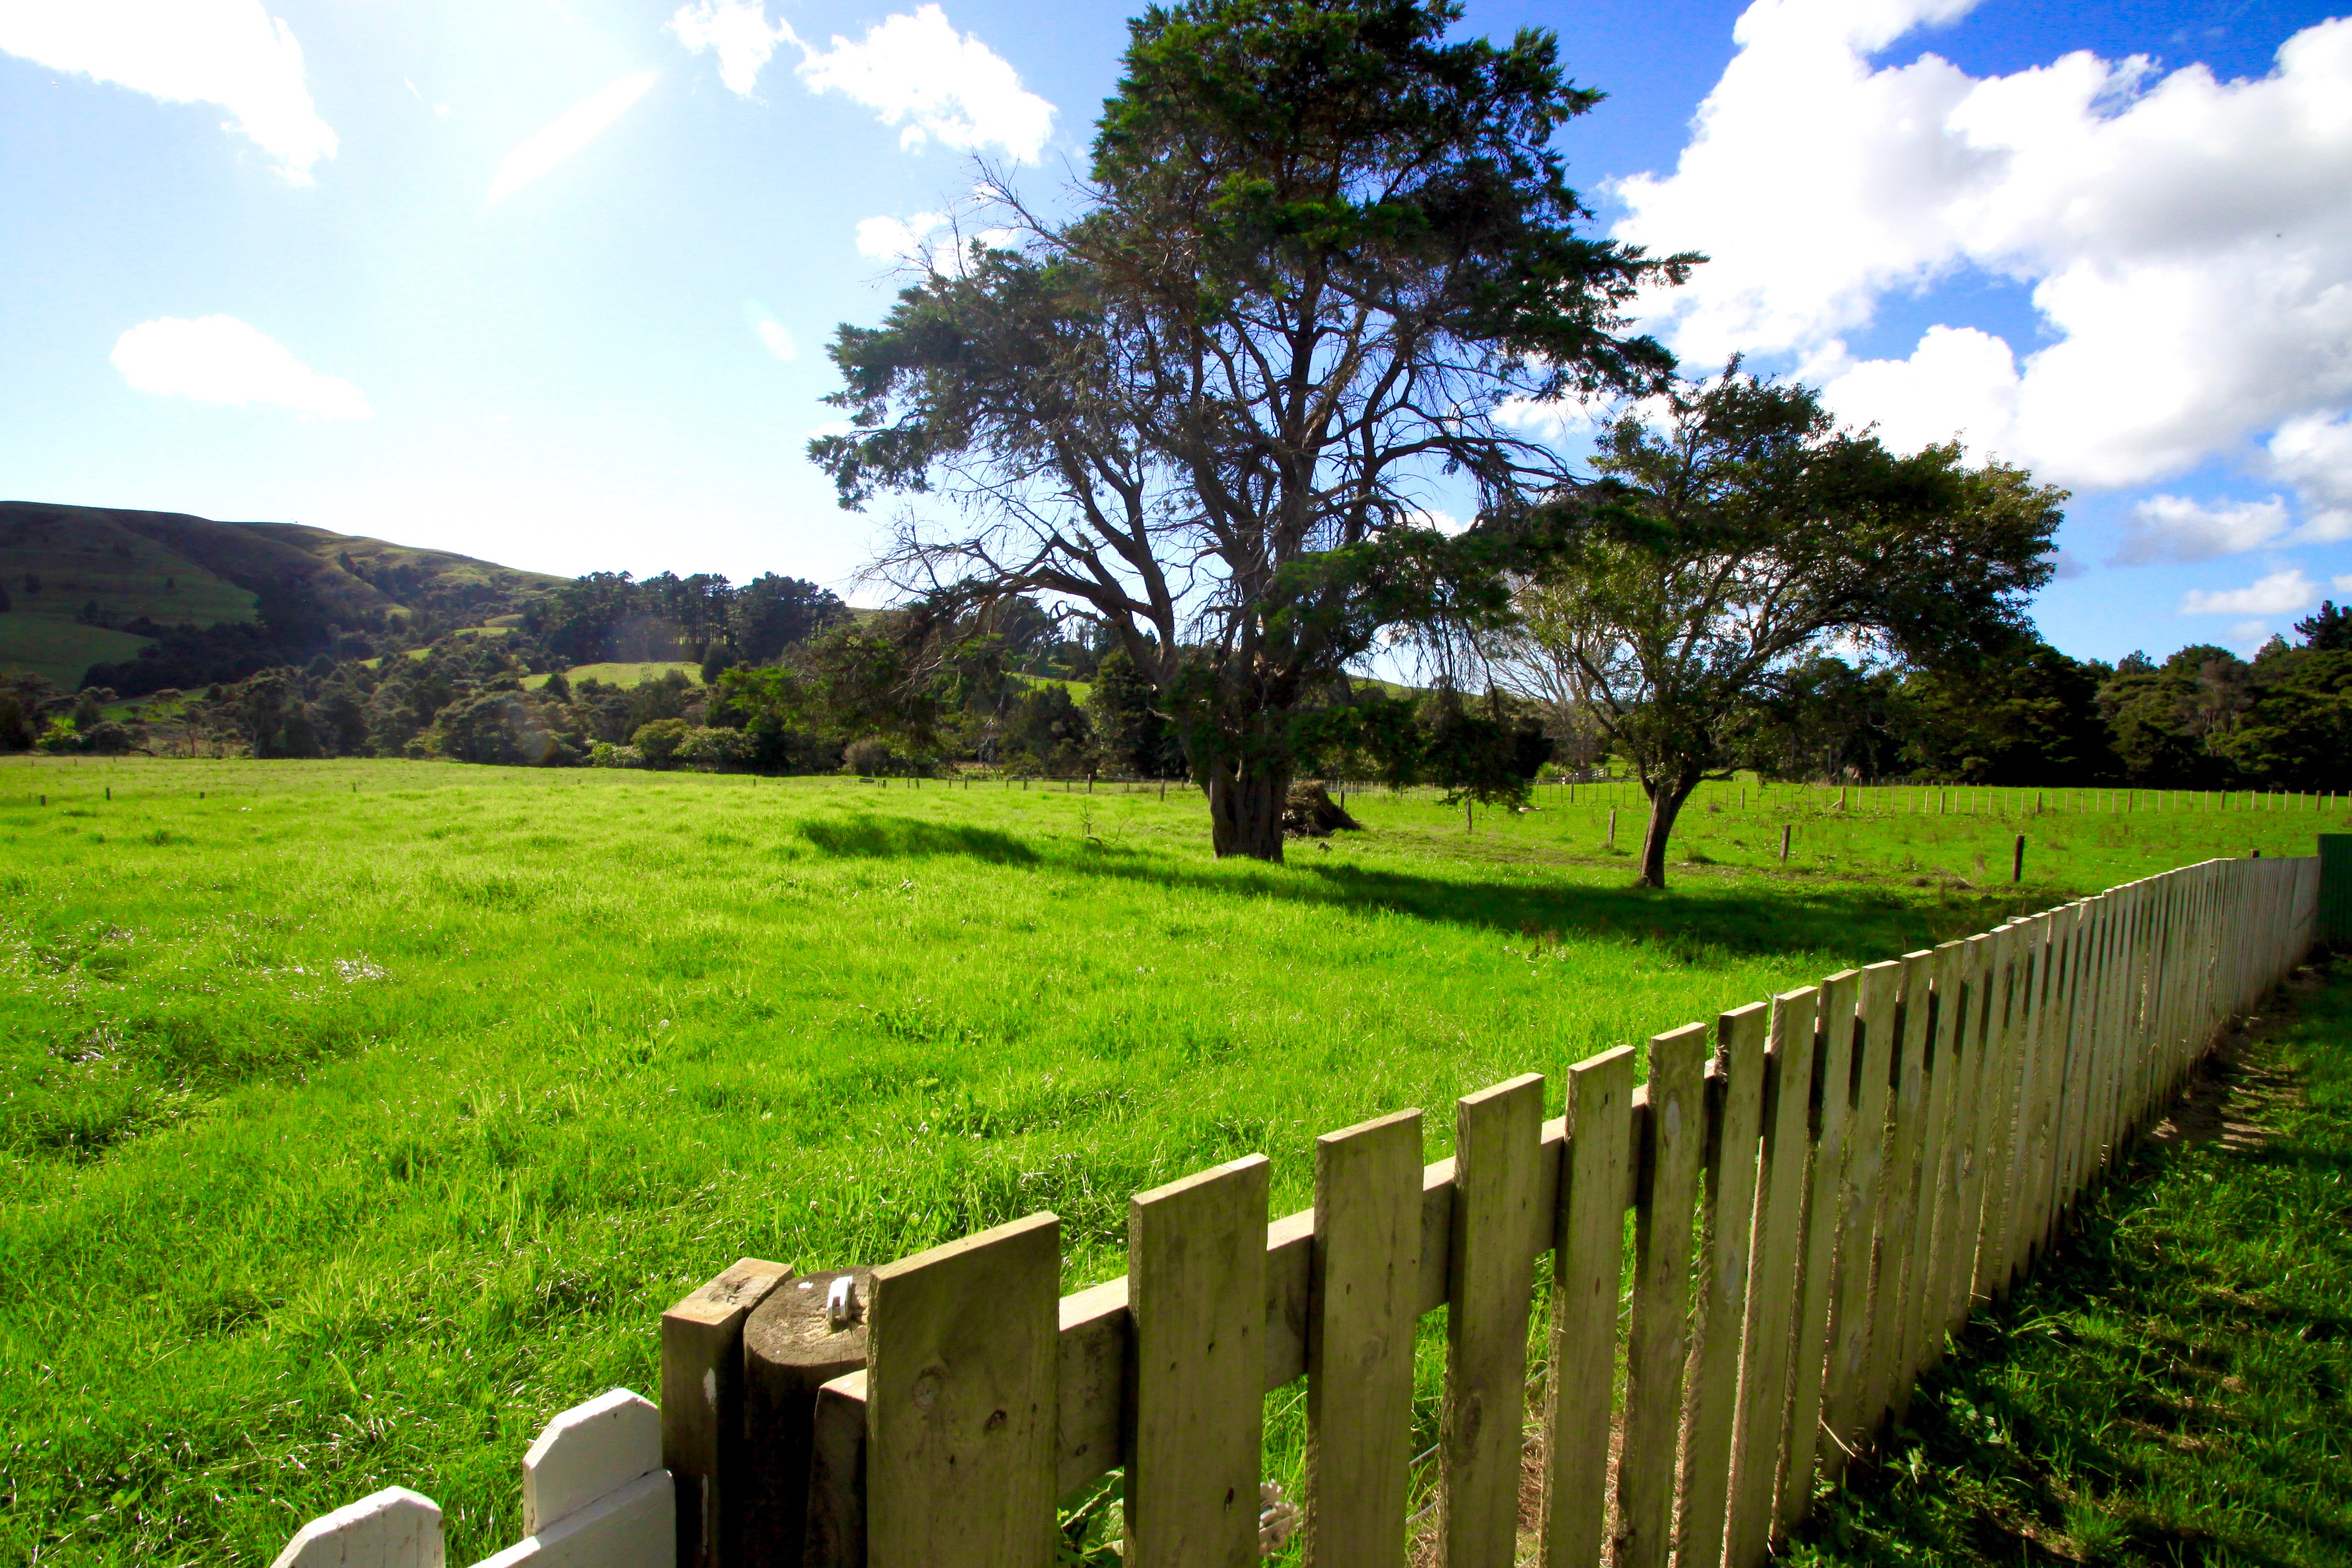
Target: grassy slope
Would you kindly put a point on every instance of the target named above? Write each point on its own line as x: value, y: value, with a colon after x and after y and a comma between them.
x: 622, y: 674
x: 2177, y: 1387
x: 350, y: 1132
x: 175, y: 569
x: 80, y: 555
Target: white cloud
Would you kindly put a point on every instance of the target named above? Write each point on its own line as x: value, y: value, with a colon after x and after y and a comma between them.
x: 567, y: 133
x: 2188, y: 241
x: 2314, y: 453
x: 2065, y: 565
x: 738, y: 31
x: 2285, y: 592
x: 2248, y: 637
x: 945, y: 86
x: 232, y: 53
x: 927, y: 239
x: 219, y: 359
x: 780, y: 341
x: 2174, y: 528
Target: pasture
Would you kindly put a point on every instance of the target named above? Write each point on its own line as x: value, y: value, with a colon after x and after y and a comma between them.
x: 358, y: 1116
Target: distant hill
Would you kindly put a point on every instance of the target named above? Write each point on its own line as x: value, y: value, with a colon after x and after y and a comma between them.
x: 77, y: 578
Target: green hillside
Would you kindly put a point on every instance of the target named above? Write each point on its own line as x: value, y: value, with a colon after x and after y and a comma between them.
x: 74, y: 576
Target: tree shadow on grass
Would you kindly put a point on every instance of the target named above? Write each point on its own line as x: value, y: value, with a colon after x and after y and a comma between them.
x: 891, y: 837
x: 1709, y: 923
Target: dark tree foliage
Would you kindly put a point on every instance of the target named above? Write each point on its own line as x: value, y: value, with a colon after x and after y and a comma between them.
x: 1822, y: 717
x: 2327, y: 630
x: 1134, y: 737
x: 1322, y: 247
x: 2021, y: 713
x: 609, y: 615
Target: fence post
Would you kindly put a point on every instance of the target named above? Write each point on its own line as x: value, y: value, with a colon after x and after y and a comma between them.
x: 1497, y: 1142
x: 1727, y: 1215
x: 2336, y: 887
x: 962, y: 1402
x: 1849, y: 1360
x: 1674, y: 1135
x: 1587, y: 1258
x: 701, y: 1410
x: 1772, y: 1279
x: 1196, y: 1282
x: 1365, y: 1284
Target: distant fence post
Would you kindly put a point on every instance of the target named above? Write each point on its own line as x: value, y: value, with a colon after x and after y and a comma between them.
x: 2336, y: 887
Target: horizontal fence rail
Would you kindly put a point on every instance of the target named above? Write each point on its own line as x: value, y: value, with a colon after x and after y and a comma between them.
x: 1821, y: 1188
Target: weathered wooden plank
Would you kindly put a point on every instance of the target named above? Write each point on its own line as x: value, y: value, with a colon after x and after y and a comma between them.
x: 1772, y: 1279
x: 1892, y: 1325
x: 1497, y: 1133
x: 836, y: 1486
x: 701, y: 1404
x: 2010, y: 1073
x: 1587, y: 1262
x: 395, y: 1528
x: 1953, y: 1250
x: 810, y: 1331
x: 1830, y: 1133
x: 1988, y: 1106
x: 588, y: 1452
x: 1874, y: 1050
x: 961, y: 1401
x: 635, y: 1526
x: 1921, y: 1307
x: 1360, y: 1342
x: 1726, y: 1229
x: 1196, y: 1278
x: 1658, y: 1339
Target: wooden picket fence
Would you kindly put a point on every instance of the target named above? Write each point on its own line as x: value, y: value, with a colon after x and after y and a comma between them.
x: 1822, y: 1188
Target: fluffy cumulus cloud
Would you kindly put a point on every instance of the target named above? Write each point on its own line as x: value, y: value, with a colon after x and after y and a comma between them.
x: 2312, y: 452
x: 2285, y: 592
x: 2174, y: 528
x: 737, y: 31
x: 567, y: 133
x: 913, y: 70
x: 232, y: 53
x: 219, y: 359
x: 2187, y: 242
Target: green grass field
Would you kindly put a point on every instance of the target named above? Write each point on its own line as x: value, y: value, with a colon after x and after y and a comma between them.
x: 620, y: 674
x: 358, y: 1116
x: 59, y: 648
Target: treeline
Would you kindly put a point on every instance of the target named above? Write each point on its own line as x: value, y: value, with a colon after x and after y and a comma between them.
x: 2201, y: 719
x: 794, y: 682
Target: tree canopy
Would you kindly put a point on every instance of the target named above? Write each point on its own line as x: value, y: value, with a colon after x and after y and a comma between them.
x: 1320, y: 250
x: 1739, y: 536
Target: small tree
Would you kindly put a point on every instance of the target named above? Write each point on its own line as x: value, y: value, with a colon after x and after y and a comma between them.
x: 1742, y: 534
x: 1323, y: 249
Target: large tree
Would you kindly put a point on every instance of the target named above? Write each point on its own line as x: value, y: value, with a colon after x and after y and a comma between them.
x: 1736, y: 534
x: 1321, y: 250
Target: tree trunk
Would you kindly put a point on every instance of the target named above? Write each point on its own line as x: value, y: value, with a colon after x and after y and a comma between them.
x: 1245, y: 812
x: 1667, y: 799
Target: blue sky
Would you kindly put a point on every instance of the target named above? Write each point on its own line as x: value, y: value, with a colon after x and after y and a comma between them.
x: 550, y: 280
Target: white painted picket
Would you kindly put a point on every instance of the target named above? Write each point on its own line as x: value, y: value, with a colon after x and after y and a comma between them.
x: 595, y: 1495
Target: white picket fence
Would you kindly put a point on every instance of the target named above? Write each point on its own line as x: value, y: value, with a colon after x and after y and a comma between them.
x: 595, y: 1495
